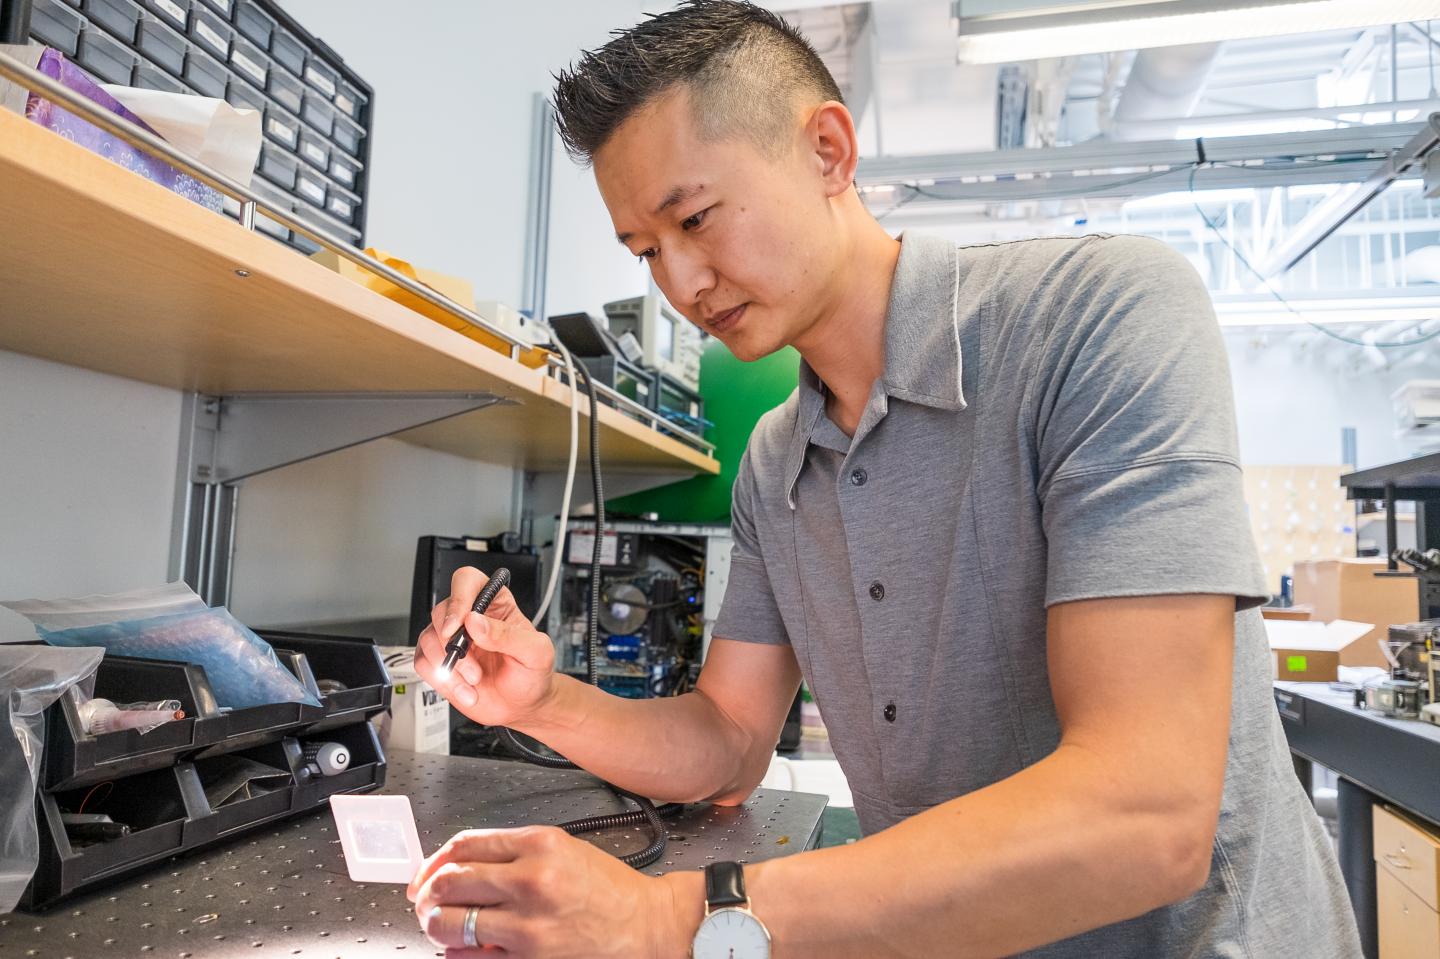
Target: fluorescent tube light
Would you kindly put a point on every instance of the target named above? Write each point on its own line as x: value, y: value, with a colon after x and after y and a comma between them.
x: 1011, y: 39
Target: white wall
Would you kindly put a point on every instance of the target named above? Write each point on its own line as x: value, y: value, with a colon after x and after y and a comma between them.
x: 1293, y: 396
x: 87, y: 479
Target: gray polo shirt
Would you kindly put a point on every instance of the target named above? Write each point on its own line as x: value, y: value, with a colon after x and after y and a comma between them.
x: 1054, y: 423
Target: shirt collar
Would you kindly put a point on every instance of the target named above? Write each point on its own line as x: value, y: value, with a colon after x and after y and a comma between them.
x: 922, y: 343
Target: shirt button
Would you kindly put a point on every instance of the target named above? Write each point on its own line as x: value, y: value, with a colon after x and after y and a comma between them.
x: 889, y: 712
x: 858, y: 477
x: 877, y: 591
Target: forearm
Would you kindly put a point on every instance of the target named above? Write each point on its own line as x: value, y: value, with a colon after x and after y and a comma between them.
x: 671, y: 749
x: 1051, y: 852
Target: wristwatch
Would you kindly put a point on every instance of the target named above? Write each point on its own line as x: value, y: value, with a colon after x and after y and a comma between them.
x: 730, y: 930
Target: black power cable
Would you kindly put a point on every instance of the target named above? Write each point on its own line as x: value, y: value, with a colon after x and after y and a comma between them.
x: 647, y: 815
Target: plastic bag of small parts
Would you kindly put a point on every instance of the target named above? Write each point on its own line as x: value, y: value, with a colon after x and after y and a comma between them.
x: 33, y: 678
x: 172, y: 623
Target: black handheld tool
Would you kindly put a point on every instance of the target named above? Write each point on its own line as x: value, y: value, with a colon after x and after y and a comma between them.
x: 459, y: 646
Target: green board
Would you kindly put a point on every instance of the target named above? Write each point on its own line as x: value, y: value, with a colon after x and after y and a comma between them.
x: 736, y: 396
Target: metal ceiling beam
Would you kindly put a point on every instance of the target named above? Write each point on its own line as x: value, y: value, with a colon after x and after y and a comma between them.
x: 1130, y: 159
x: 1343, y: 204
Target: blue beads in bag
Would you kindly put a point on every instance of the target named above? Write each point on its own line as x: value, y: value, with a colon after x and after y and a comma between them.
x: 242, y: 668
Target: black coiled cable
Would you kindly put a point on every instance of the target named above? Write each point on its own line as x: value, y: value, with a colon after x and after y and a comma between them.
x: 647, y: 815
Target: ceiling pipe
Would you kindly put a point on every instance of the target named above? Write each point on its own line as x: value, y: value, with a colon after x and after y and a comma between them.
x: 1165, y: 84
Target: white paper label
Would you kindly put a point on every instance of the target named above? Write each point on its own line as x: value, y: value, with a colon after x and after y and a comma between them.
x: 249, y: 66
x: 312, y: 190
x: 342, y: 173
x: 582, y: 548
x: 216, y: 41
x: 223, y: 5
x: 286, y: 133
x: 314, y: 153
x: 341, y: 207
x: 174, y: 9
x: 324, y: 83
x: 345, y: 103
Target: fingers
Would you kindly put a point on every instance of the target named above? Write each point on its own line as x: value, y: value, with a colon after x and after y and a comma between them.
x: 471, y: 845
x: 465, y: 585
x: 485, y: 846
x: 521, y: 642
x: 457, y: 686
x: 445, y: 927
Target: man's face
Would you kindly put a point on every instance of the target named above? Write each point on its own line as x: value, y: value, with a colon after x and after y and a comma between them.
x: 737, y: 240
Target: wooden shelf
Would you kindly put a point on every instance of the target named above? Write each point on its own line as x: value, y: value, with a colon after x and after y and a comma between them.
x: 105, y: 270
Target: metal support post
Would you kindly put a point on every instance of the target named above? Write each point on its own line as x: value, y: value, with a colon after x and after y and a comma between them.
x: 537, y: 226
x: 1357, y: 863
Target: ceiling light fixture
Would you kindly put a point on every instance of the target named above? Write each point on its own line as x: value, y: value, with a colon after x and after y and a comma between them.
x: 989, y: 37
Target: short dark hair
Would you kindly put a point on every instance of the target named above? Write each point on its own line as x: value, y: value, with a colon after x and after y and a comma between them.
x: 743, y: 66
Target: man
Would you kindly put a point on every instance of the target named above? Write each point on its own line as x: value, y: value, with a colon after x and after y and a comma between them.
x: 998, y: 529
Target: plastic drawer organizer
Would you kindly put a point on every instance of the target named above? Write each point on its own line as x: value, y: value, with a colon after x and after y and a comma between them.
x: 193, y: 782
x: 316, y: 110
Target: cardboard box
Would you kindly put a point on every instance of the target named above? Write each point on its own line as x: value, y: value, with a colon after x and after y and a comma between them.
x: 1349, y: 589
x: 1311, y: 652
x: 1300, y: 613
x: 419, y: 716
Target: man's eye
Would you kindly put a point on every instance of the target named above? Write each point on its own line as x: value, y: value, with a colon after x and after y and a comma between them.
x: 648, y: 254
x: 692, y: 221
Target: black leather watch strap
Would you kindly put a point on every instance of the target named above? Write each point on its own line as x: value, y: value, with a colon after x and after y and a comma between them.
x: 724, y: 885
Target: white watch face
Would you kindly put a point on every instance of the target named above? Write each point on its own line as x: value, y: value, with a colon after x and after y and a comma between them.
x: 731, y: 934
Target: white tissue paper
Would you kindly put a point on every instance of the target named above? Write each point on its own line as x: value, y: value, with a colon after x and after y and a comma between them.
x: 224, y: 138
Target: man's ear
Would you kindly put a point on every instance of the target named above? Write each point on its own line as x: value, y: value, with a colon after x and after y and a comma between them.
x: 831, y: 140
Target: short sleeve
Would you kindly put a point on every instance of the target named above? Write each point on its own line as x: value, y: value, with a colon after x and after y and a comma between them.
x: 749, y: 612
x: 1138, y: 469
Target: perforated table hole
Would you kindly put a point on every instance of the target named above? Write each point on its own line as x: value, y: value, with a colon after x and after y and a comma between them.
x: 285, y: 891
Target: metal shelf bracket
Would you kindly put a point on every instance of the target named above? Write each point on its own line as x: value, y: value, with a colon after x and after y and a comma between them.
x: 227, y: 439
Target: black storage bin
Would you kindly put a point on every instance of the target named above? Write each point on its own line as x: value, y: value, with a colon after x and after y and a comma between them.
x: 105, y: 58
x: 162, y: 46
x: 321, y: 78
x: 367, y: 765
x: 238, y: 93
x: 277, y: 167
x: 75, y: 758
x: 318, y: 113
x: 175, y: 793
x: 311, y: 188
x: 56, y: 25
x: 150, y: 78
x: 158, y: 807
x: 314, y: 150
x: 353, y: 663
x: 115, y: 17
x: 205, y: 76
x: 282, y: 128
x: 286, y: 90
x: 348, y: 134
x: 288, y: 51
x: 250, y: 63
x: 344, y: 170
x: 250, y: 52
x: 351, y: 102
x: 210, y: 33
x: 174, y: 12
x: 342, y: 205
x: 257, y: 802
x: 254, y: 24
